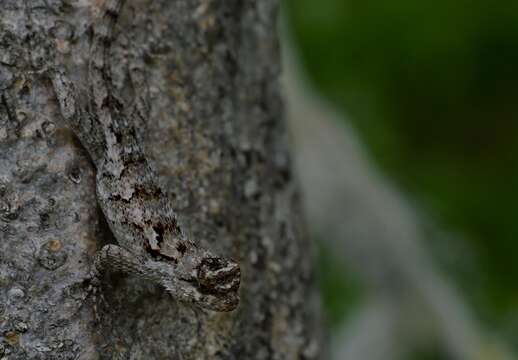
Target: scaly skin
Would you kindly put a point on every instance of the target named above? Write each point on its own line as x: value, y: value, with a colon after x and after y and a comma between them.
x: 151, y: 243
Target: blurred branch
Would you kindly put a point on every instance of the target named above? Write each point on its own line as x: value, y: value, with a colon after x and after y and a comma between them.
x: 377, y: 235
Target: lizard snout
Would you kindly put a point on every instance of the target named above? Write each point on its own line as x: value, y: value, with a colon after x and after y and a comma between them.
x: 217, y: 275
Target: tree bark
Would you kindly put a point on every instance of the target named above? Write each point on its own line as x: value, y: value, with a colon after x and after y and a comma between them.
x: 207, y: 74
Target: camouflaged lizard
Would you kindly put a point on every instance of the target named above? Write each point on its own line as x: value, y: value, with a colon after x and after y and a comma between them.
x: 150, y: 242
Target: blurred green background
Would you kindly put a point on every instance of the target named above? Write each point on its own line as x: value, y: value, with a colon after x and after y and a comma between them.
x: 432, y: 87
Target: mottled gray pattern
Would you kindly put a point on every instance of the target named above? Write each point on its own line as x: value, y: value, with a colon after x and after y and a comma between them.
x: 136, y: 207
x: 202, y: 76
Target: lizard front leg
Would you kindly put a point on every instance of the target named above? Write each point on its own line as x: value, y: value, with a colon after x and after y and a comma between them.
x: 112, y: 257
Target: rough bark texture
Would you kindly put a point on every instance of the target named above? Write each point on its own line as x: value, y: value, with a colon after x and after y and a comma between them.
x: 209, y: 71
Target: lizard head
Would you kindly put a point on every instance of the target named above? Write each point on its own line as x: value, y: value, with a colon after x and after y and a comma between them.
x: 211, y: 282
x: 218, y: 281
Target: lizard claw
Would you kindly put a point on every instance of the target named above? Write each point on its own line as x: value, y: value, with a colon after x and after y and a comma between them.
x: 93, y: 289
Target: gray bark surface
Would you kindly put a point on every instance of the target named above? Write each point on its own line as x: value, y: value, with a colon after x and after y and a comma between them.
x: 207, y: 71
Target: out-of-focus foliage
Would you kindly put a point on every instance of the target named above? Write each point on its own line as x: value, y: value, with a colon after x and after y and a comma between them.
x: 433, y: 88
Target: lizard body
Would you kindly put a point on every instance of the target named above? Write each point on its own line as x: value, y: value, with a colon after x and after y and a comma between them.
x: 151, y: 243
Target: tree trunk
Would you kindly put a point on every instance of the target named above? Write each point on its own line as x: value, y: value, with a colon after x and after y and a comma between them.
x: 206, y: 73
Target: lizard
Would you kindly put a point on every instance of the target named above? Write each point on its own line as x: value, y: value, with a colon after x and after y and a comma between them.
x: 150, y: 241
